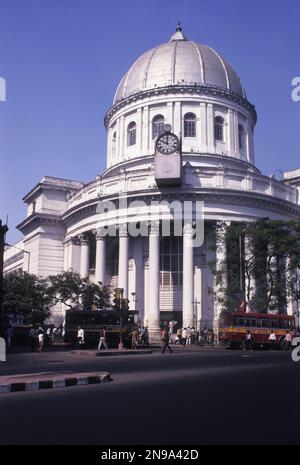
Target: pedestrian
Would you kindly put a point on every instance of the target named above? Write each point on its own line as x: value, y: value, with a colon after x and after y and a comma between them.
x: 134, y: 339
x: 80, y: 336
x: 272, y: 340
x: 102, y: 340
x: 287, y: 341
x: 193, y: 335
x: 40, y: 341
x: 8, y: 335
x: 165, y: 341
x: 144, y: 337
x: 184, y: 336
x: 247, y: 342
x: 188, y: 336
x: 179, y: 336
x: 32, y: 338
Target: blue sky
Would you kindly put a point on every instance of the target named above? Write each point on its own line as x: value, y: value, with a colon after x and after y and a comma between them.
x: 62, y: 61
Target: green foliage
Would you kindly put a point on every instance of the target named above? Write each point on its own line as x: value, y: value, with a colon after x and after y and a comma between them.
x: 264, y: 251
x: 33, y: 296
x: 28, y: 295
x: 76, y: 292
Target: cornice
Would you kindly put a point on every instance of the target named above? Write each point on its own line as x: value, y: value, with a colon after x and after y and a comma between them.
x: 179, y: 89
x: 220, y: 196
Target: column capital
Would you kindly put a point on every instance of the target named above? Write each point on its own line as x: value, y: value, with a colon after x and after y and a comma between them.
x: 99, y: 234
x: 83, y: 239
x: 154, y: 228
x: 188, y: 229
x: 123, y: 230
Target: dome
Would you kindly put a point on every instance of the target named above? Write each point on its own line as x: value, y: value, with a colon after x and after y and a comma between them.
x: 179, y: 61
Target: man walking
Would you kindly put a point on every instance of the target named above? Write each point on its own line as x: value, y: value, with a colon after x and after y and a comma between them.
x: 165, y: 341
x: 102, y: 340
x: 272, y: 340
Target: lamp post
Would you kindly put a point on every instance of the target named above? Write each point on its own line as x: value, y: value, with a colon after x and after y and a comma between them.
x: 3, y: 231
x: 196, y: 302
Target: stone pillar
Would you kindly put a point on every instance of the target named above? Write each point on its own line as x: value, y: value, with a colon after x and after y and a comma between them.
x: 202, y: 135
x: 100, y: 262
x: 236, y: 131
x: 84, y: 256
x: 210, y: 128
x: 177, y: 119
x: 231, y: 139
x: 123, y: 259
x: 145, y: 130
x: 73, y: 254
x: 153, y: 283
x: 220, y: 263
x: 188, y: 276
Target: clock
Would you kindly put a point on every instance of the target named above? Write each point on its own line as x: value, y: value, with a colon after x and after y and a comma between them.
x: 167, y: 143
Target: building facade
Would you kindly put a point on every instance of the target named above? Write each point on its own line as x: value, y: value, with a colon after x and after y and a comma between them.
x: 193, y: 89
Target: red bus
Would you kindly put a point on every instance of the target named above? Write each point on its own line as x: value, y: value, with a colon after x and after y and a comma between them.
x: 233, y: 327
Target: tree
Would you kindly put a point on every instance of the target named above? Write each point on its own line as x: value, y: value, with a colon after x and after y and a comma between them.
x: 265, y: 252
x: 75, y: 292
x: 66, y: 288
x: 28, y: 295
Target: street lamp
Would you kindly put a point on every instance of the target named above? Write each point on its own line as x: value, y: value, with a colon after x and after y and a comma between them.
x: 195, y: 319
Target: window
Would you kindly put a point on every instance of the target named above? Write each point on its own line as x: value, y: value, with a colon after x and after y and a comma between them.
x: 158, y: 123
x: 189, y: 125
x: 131, y: 134
x: 219, y: 131
x: 241, y: 136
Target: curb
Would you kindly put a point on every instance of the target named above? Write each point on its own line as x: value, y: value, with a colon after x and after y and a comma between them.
x: 109, y: 353
x: 48, y: 383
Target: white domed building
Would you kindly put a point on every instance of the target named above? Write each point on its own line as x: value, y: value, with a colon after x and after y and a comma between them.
x: 193, y: 90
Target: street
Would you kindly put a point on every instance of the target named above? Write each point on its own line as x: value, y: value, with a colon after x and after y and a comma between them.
x: 193, y: 396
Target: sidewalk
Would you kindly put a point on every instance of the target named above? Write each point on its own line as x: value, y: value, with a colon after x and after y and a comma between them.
x: 48, y: 380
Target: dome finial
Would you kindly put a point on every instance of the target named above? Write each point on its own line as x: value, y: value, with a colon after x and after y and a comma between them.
x: 179, y: 28
x: 178, y: 35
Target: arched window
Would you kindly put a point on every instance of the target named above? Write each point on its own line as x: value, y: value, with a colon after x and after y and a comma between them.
x: 131, y: 134
x: 113, y: 143
x: 189, y: 125
x: 241, y: 136
x: 219, y: 128
x: 158, y: 123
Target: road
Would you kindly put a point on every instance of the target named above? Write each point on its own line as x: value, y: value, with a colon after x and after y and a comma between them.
x: 188, y: 397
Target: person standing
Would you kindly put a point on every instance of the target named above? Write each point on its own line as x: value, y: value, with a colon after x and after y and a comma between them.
x: 102, y: 340
x: 8, y: 335
x: 287, y: 340
x: 80, y: 335
x: 184, y: 336
x: 32, y: 338
x: 248, y: 342
x: 165, y: 341
x: 134, y: 339
x: 40, y: 341
x: 272, y: 340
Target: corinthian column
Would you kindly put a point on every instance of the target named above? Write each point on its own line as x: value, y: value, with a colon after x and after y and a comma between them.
x: 84, y: 256
x: 100, y: 262
x: 188, y: 276
x: 153, y: 283
x: 123, y: 259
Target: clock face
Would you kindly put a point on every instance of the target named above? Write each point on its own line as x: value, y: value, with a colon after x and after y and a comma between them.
x: 167, y: 143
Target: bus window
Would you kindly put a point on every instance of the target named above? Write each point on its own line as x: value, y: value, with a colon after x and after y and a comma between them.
x: 287, y: 324
x: 273, y: 324
x: 264, y: 323
x: 248, y: 322
x: 253, y: 322
x: 241, y: 322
